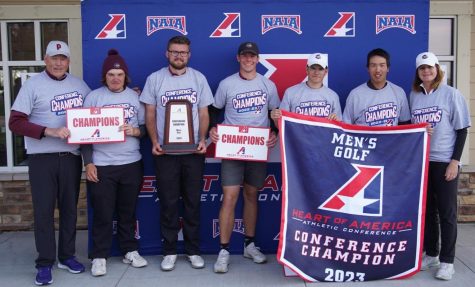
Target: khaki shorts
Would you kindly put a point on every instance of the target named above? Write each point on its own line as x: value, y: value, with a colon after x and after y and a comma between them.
x: 235, y: 172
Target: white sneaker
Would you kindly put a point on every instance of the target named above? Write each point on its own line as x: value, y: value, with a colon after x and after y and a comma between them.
x: 445, y: 272
x: 133, y: 258
x: 221, y: 265
x: 429, y: 261
x: 98, y: 267
x: 196, y: 261
x: 251, y: 251
x: 168, y: 262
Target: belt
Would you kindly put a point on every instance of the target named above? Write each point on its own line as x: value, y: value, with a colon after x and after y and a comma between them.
x: 61, y: 153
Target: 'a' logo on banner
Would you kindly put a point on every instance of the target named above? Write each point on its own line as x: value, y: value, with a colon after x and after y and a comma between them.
x: 360, y: 195
x: 114, y: 29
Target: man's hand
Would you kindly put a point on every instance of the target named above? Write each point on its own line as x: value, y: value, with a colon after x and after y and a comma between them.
x: 213, y: 135
x: 62, y: 132
x: 201, y: 149
x: 129, y: 130
x: 272, y: 140
x: 157, y: 149
x: 91, y: 173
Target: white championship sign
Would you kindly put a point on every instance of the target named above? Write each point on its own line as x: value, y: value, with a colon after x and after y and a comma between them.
x: 242, y: 143
x: 95, y: 125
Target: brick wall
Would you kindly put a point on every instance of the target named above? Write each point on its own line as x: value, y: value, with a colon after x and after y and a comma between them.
x: 16, y: 212
x: 466, y: 197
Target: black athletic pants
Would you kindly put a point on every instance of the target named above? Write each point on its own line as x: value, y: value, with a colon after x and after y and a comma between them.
x: 115, y: 193
x: 180, y: 175
x: 441, y: 210
x: 54, y: 179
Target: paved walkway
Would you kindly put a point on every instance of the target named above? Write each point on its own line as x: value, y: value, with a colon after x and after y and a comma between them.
x: 18, y: 253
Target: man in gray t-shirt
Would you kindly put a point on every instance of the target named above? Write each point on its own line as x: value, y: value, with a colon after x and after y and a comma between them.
x: 54, y: 166
x: 178, y: 175
x: 246, y: 97
x: 377, y: 102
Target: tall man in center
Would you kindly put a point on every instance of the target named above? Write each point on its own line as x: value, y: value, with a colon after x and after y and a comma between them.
x: 178, y: 174
x: 247, y: 83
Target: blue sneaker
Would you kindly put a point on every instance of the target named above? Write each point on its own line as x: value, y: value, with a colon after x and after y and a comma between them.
x: 44, y: 277
x: 72, y: 265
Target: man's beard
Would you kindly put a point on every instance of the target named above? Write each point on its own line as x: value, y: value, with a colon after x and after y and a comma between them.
x: 177, y: 66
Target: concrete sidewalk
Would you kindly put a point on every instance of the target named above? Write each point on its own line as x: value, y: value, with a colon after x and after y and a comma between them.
x: 18, y: 254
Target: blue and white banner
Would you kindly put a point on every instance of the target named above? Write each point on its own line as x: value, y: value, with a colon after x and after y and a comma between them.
x: 353, y: 199
x: 287, y: 32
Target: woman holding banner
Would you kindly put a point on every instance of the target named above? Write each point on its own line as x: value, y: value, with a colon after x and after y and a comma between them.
x: 114, y: 170
x: 445, y: 109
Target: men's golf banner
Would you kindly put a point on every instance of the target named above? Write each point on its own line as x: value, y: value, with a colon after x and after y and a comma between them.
x: 353, y: 200
x: 286, y: 32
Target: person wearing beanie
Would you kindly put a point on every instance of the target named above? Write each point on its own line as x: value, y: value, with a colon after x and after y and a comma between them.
x: 54, y: 166
x: 312, y: 97
x: 114, y: 171
x: 178, y: 175
x: 445, y: 110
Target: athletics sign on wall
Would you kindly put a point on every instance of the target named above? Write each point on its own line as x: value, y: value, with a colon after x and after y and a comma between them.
x: 286, y: 33
x: 353, y: 199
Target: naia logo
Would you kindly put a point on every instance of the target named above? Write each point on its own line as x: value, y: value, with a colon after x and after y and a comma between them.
x: 230, y: 27
x: 405, y: 22
x: 156, y: 23
x: 360, y: 195
x: 291, y: 22
x: 114, y: 29
x: 238, y: 227
x: 344, y: 26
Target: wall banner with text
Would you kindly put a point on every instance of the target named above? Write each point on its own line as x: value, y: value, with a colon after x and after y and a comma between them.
x: 353, y: 199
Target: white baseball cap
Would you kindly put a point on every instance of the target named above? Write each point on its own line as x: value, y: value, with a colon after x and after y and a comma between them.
x: 426, y: 58
x: 318, y: 59
x: 57, y: 48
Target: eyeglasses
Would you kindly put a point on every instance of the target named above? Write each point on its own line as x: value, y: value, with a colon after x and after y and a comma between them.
x: 181, y: 53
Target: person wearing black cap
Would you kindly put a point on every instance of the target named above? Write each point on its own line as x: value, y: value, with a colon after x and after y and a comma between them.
x: 114, y: 170
x: 257, y: 96
x: 54, y: 166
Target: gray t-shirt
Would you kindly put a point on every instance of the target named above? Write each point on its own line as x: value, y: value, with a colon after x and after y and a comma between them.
x: 302, y: 99
x: 161, y: 87
x: 121, y: 152
x: 445, y: 109
x: 45, y: 101
x: 246, y: 102
x: 368, y: 107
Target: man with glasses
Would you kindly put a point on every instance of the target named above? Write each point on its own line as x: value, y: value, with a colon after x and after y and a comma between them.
x: 377, y: 102
x: 178, y: 175
x: 311, y: 97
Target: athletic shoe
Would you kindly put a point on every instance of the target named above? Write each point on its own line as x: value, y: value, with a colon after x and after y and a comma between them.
x: 251, y: 251
x: 445, y: 272
x: 133, y: 258
x: 196, y: 261
x: 72, y: 265
x: 429, y: 261
x: 44, y: 277
x: 221, y: 265
x: 168, y: 262
x: 98, y: 267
